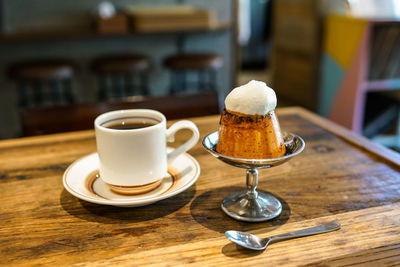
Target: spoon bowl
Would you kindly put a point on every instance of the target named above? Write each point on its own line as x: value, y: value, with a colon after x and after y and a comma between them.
x: 247, y: 240
x: 256, y: 243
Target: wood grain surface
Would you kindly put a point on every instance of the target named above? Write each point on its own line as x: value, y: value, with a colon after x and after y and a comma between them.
x: 338, y: 176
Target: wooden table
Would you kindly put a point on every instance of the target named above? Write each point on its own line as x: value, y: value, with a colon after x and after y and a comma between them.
x: 338, y: 176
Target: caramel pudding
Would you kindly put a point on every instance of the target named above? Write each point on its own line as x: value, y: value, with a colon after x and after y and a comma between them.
x: 249, y: 127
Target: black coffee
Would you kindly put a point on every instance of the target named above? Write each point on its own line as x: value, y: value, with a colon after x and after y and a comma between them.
x: 130, y: 125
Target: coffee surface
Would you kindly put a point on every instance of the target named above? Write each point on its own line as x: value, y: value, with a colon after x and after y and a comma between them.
x: 130, y: 125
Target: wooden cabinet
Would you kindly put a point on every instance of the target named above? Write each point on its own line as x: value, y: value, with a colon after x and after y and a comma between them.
x: 296, y: 50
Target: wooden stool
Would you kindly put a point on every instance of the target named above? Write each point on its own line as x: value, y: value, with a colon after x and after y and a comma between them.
x: 205, y: 65
x: 117, y: 75
x: 33, y: 78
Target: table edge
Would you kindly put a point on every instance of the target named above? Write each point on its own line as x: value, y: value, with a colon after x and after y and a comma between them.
x: 346, y: 134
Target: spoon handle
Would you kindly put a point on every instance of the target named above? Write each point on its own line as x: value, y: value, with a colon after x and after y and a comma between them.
x: 324, y: 228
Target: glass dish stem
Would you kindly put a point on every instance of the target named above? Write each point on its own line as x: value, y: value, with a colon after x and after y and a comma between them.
x: 252, y: 182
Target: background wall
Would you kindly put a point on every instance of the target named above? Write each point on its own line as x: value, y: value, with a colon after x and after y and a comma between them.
x: 43, y: 15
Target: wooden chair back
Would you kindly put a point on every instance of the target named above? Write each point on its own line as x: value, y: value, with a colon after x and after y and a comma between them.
x: 44, y: 82
x: 122, y: 75
x: 55, y: 119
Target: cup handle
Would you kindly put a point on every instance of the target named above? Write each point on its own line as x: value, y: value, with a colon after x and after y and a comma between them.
x: 184, y: 124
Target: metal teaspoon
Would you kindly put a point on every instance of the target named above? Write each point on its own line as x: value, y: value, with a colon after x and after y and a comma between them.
x: 254, y: 242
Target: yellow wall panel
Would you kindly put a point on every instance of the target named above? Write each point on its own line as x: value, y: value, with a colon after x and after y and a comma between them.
x: 342, y: 37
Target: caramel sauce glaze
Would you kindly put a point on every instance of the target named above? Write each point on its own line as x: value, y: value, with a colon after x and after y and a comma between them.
x: 250, y: 136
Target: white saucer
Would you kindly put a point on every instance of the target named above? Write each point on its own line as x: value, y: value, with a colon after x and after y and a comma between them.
x: 81, y: 179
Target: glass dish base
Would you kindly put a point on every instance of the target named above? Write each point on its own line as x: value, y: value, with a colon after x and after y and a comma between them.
x: 250, y: 209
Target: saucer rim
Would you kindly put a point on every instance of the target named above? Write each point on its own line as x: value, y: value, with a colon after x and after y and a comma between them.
x: 132, y: 203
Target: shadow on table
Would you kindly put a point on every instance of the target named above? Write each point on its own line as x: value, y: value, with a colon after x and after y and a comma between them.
x: 235, y: 251
x: 110, y: 214
x: 206, y: 210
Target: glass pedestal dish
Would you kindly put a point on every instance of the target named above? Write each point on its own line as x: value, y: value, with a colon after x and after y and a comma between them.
x: 253, y: 205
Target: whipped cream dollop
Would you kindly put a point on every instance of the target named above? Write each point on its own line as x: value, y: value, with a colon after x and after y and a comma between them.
x: 253, y: 98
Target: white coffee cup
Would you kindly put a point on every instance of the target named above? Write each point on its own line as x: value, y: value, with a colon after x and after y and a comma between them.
x: 137, y: 157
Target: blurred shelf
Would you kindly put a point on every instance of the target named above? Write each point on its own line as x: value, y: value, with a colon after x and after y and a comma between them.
x: 360, y: 55
x: 68, y: 34
x: 382, y: 85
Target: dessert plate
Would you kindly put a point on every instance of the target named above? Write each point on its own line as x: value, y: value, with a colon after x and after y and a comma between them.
x: 82, y: 180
